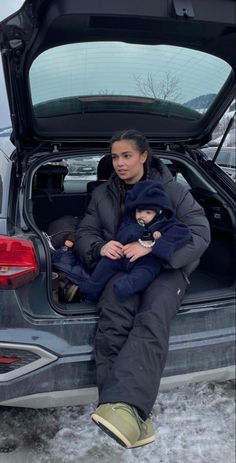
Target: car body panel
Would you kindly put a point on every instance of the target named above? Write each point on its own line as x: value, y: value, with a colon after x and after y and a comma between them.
x: 201, y: 342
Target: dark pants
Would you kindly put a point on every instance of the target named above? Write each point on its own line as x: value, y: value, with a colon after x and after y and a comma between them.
x: 132, y: 340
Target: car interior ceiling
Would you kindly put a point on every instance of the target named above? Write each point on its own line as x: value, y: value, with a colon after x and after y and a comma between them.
x: 216, y: 270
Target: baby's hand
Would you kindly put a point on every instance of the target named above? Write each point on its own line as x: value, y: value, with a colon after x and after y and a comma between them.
x: 69, y: 243
x: 134, y: 251
x: 156, y: 235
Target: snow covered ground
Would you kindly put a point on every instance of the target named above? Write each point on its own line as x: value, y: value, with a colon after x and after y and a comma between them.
x: 194, y: 424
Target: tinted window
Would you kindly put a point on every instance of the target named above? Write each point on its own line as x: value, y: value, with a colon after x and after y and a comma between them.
x: 81, y: 170
x: 83, y: 74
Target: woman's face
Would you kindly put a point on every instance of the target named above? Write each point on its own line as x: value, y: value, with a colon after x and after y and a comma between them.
x: 128, y: 161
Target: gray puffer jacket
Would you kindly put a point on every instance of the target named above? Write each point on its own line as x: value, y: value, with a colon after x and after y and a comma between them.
x: 102, y: 218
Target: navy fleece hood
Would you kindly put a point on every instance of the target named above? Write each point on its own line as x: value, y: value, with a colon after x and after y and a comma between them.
x: 149, y: 194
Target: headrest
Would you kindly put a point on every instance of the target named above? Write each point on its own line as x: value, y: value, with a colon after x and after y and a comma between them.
x: 105, y: 167
x: 50, y: 178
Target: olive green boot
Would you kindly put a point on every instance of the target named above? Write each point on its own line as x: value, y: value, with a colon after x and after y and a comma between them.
x: 120, y: 421
x: 147, y: 434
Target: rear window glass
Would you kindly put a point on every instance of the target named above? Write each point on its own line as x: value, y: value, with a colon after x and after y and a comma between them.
x: 80, y: 77
x: 80, y: 171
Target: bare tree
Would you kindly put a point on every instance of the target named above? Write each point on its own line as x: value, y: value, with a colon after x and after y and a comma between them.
x: 166, y: 88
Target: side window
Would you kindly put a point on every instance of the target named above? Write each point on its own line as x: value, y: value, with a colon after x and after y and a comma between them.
x: 226, y: 158
x: 82, y: 167
x: 181, y: 179
x: 81, y: 170
x: 176, y: 172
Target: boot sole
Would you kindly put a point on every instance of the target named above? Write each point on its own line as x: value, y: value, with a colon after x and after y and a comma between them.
x: 142, y: 442
x: 111, y: 430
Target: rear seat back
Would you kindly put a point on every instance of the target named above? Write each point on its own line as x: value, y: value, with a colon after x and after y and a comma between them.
x: 104, y: 171
x: 49, y: 200
x: 105, y: 167
x: 92, y: 185
x: 49, y: 179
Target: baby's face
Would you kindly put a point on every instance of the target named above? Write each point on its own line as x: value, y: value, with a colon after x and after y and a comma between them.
x: 145, y: 215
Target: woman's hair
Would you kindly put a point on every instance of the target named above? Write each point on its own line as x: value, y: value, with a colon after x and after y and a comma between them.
x: 141, y: 144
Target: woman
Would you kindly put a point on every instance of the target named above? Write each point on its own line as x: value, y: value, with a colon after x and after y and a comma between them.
x: 148, y: 215
x: 131, y: 343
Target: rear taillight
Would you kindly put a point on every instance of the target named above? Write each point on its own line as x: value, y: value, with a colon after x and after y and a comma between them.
x: 18, y: 262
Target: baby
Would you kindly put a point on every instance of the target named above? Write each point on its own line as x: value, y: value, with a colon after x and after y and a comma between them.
x: 149, y: 219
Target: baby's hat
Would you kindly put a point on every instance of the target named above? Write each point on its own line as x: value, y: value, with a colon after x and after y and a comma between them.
x: 148, y: 194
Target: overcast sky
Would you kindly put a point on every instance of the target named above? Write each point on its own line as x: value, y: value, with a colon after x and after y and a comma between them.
x: 6, y: 8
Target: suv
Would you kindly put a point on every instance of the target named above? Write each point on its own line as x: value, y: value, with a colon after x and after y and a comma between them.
x: 76, y: 72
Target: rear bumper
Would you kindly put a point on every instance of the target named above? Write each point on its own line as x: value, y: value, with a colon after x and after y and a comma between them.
x: 202, y: 348
x: 90, y: 394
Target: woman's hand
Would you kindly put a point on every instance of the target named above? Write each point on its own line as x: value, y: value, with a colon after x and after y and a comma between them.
x: 133, y: 251
x: 112, y: 249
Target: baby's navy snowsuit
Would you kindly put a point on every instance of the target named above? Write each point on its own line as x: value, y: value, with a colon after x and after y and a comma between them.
x: 147, y: 194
